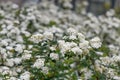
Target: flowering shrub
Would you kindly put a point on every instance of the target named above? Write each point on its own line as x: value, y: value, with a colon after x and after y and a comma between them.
x: 45, y: 42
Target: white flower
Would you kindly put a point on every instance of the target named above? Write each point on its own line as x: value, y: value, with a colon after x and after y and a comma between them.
x: 2, y: 50
x: 3, y: 53
x: 116, y: 77
x: 61, y: 43
x: 17, y: 61
x: 5, y: 70
x: 113, y: 49
x: 45, y: 70
x: 100, y: 53
x: 25, y: 76
x: 10, y: 62
x: 54, y: 56
x: 65, y: 47
x: 26, y: 55
x: 81, y: 37
x: 73, y: 65
x: 110, y: 13
x: 3, y: 43
x: 67, y: 5
x: 111, y: 72
x: 88, y: 74
x: 30, y: 17
x: 48, y: 35
x: 15, y: 49
x: 84, y: 44
x: 77, y: 50
x: 72, y: 37
x: 19, y: 69
x: 30, y: 46
x: 95, y: 42
x: 9, y: 27
x: 13, y: 78
x: 39, y: 63
x: 19, y: 48
x: 71, y: 31
x: 27, y: 34
x: 15, y: 6
x: 36, y: 38
x: 19, y: 39
x: 4, y: 31
x: 116, y: 58
x: 72, y: 44
x: 53, y: 48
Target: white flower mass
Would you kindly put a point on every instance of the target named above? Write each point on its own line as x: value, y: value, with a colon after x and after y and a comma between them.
x: 39, y: 63
x: 48, y: 42
x: 95, y: 42
x: 54, y: 56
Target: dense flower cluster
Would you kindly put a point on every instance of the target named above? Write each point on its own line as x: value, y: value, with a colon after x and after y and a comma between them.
x: 45, y: 42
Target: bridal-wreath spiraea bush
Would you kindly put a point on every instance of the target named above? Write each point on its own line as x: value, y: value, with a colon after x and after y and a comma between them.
x: 46, y: 42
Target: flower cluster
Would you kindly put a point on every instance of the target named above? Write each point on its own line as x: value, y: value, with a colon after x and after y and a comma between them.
x: 46, y: 42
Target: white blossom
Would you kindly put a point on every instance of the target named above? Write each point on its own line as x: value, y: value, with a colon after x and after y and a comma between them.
x: 95, y: 42
x: 39, y: 63
x: 5, y: 70
x: 72, y: 37
x: 81, y: 37
x: 54, y: 56
x: 71, y: 31
x: 17, y: 61
x: 19, y: 48
x: 13, y: 78
x: 10, y: 62
x: 99, y: 53
x: 84, y: 44
x: 36, y: 38
x: 3, y: 43
x: 116, y: 77
x: 26, y: 55
x: 45, y: 70
x: 77, y: 50
x: 25, y: 76
x: 48, y: 35
x: 60, y: 32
